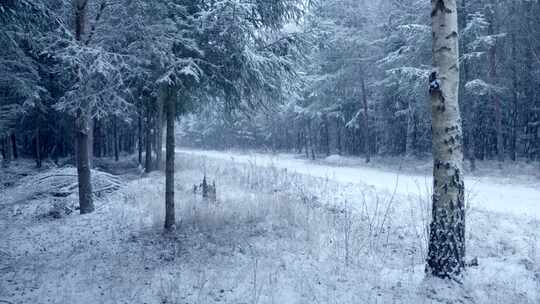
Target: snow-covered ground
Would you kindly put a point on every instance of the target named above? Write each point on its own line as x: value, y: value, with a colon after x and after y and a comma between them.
x: 498, y: 194
x: 272, y: 236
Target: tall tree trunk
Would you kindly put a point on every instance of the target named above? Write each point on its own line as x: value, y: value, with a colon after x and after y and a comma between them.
x: 367, y: 139
x: 91, y: 124
x: 86, y: 203
x: 306, y: 139
x: 446, y: 250
x: 468, y: 105
x: 116, y: 140
x: 82, y: 127
x: 311, y: 140
x: 106, y: 142
x: 409, y: 142
x: 162, y: 99
x: 338, y: 136
x: 339, y: 144
x: 140, y: 137
x: 5, y: 147
x: 148, y: 142
x: 326, y: 132
x: 14, y: 146
x: 515, y: 100
x: 169, y: 166
x: 8, y: 148
x: 38, y: 148
x: 299, y: 142
x: 528, y: 78
x: 494, y: 95
x: 97, y: 139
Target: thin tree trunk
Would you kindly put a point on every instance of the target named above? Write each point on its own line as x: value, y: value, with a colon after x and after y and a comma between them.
x: 311, y: 141
x: 106, y: 142
x: 446, y: 250
x: 91, y: 142
x: 8, y: 149
x: 162, y: 99
x: 338, y: 136
x: 409, y: 142
x: 367, y: 147
x: 306, y: 139
x: 515, y: 111
x: 148, y: 142
x: 14, y: 146
x: 97, y: 139
x: 38, y: 148
x: 4, y: 148
x: 528, y: 78
x: 169, y: 166
x: 469, y: 105
x: 116, y: 140
x: 299, y: 142
x: 326, y: 132
x: 515, y: 83
x: 494, y: 95
x: 140, y: 137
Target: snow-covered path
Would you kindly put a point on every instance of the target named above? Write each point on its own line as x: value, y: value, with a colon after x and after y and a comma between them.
x: 493, y: 194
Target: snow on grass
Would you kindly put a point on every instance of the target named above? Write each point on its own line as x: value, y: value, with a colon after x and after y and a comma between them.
x: 498, y: 194
x: 272, y: 236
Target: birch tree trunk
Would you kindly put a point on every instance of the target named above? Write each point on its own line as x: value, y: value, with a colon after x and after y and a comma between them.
x: 82, y: 126
x: 446, y: 250
x: 169, y: 162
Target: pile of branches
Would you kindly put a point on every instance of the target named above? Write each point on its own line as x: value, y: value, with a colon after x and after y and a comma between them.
x: 62, y: 183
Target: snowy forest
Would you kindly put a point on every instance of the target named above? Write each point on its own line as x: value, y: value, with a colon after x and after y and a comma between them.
x: 270, y: 151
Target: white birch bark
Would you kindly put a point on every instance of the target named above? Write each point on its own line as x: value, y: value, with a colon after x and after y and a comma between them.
x: 447, y: 229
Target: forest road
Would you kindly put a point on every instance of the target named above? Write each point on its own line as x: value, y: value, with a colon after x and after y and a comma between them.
x: 495, y: 194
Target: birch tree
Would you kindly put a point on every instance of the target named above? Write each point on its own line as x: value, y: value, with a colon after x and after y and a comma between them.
x: 447, y: 230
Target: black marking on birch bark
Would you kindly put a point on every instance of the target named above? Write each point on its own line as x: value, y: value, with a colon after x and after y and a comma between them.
x: 434, y: 83
x: 454, y: 34
x: 440, y: 6
x: 443, y: 49
x: 441, y: 108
